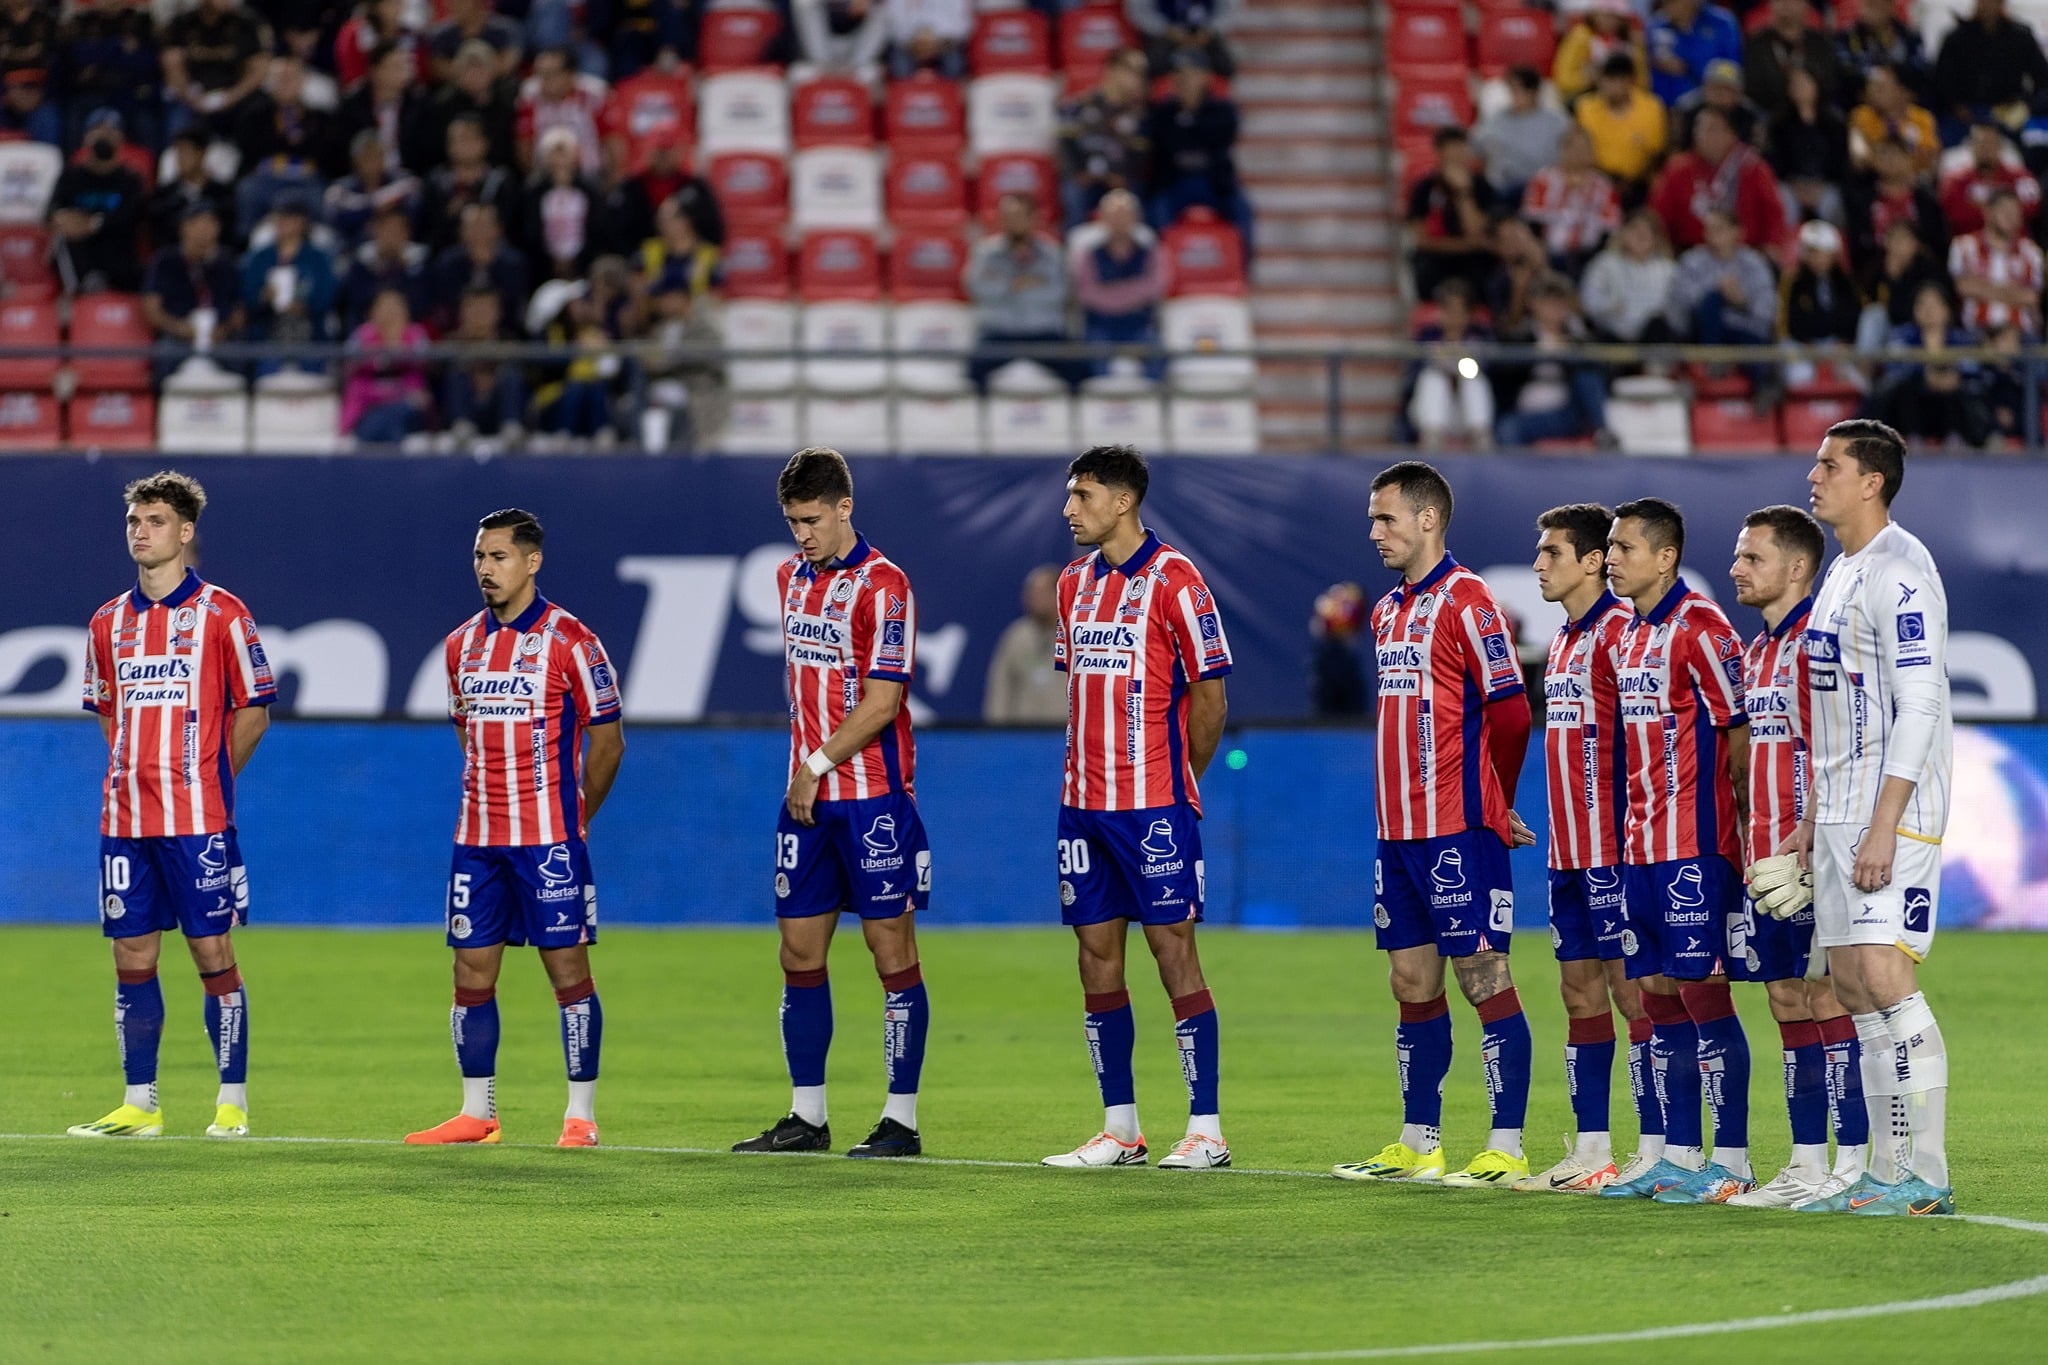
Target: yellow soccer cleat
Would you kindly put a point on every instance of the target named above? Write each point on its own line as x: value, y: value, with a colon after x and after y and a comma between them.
x: 127, y: 1121
x: 1490, y: 1168
x: 1396, y: 1161
x: 229, y: 1121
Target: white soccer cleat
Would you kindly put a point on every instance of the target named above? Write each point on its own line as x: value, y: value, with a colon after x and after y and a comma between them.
x: 1569, y: 1176
x: 1635, y: 1168
x: 1789, y: 1188
x: 1835, y: 1185
x: 1100, y: 1151
x: 1196, y: 1152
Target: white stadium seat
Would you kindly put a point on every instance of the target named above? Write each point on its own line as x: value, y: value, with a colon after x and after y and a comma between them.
x: 940, y: 423
x: 839, y: 327
x: 761, y: 424
x: 930, y: 325
x: 836, y: 187
x: 203, y: 408
x: 1199, y: 424
x: 854, y: 423
x: 1012, y: 112
x: 295, y: 413
x: 759, y: 325
x: 1197, y: 324
x: 28, y: 172
x: 1120, y: 410
x: 742, y: 111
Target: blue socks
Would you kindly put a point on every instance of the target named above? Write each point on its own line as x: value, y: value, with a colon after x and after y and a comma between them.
x: 906, y: 1020
x: 1195, y: 1032
x: 139, y: 1027
x: 582, y: 1029
x: 1642, y: 1084
x: 1589, y: 1071
x: 474, y: 1025
x: 806, y: 1027
x: 227, y: 1024
x: 1724, y: 1063
x: 1422, y: 1045
x: 1112, y: 1035
x: 1507, y: 1054
x: 1844, y: 1061
x: 1675, y: 1066
x: 1806, y: 1091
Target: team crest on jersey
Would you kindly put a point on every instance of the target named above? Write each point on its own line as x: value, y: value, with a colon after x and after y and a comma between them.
x: 531, y: 644
x: 842, y: 591
x: 1136, y: 590
x: 185, y: 621
x: 459, y: 926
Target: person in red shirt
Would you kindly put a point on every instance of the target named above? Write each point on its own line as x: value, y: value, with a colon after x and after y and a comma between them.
x: 1722, y: 172
x: 1994, y: 165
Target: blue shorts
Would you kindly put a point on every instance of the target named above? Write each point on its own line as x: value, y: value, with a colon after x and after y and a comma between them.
x: 1682, y: 916
x: 538, y: 894
x: 1144, y: 865
x: 1587, y: 914
x: 1453, y: 891
x: 190, y: 882
x: 1772, y: 949
x: 870, y: 857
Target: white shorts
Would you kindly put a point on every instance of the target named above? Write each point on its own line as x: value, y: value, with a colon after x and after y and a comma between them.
x: 1901, y: 914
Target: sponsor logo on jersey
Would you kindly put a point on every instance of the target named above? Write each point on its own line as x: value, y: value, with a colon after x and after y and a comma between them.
x: 1919, y: 907
x: 213, y: 864
x: 1449, y: 872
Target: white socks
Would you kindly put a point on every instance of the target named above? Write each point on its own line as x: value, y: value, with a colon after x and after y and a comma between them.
x: 902, y: 1108
x: 1120, y: 1121
x: 1594, y: 1150
x: 1206, y: 1125
x: 480, y: 1096
x: 1890, y: 1138
x: 236, y: 1094
x: 1810, y: 1156
x: 807, y: 1102
x: 1507, y: 1140
x: 1734, y: 1160
x: 143, y: 1097
x: 582, y: 1101
x: 1686, y: 1158
x: 1921, y: 1063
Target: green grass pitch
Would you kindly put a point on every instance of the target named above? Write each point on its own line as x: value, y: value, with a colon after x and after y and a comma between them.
x: 185, y: 1249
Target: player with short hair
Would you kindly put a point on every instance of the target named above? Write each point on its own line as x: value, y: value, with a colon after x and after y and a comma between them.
x: 1877, y: 648
x: 177, y: 677
x: 1679, y: 671
x: 1778, y: 554
x: 1143, y: 648
x: 1453, y: 729
x: 848, y: 835
x: 1588, y: 797
x: 527, y: 682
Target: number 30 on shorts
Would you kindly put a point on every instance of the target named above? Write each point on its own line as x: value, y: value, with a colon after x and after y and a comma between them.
x: 1073, y: 857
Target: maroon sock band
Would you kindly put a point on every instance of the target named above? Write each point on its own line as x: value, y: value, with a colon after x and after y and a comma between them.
x: 582, y: 990
x: 905, y: 979
x: 1188, y: 1006
x: 1639, y: 1029
x: 1424, y: 1012
x: 134, y: 978
x: 1798, y: 1033
x: 1706, y: 1002
x: 467, y: 999
x: 1598, y: 1029
x: 1840, y: 1029
x: 1107, y: 1002
x: 1664, y: 1009
x: 805, y: 980
x: 225, y: 982
x: 1506, y: 1005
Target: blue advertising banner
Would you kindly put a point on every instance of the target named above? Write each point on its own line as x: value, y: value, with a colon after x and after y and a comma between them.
x: 355, y: 568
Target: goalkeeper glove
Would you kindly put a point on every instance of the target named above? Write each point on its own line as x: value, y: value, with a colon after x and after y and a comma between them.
x: 1780, y: 886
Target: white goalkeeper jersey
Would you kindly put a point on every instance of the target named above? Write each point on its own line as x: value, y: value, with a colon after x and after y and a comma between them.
x: 1877, y: 651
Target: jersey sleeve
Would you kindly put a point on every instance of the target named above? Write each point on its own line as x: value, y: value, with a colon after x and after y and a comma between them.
x: 1713, y: 663
x: 1482, y: 629
x: 1905, y: 605
x: 1197, y: 628
x: 890, y: 614
x: 1063, y: 592
x: 592, y: 685
x: 451, y: 651
x: 248, y: 672
x: 99, y: 670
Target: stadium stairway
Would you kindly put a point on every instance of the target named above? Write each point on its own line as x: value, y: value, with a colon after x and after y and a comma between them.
x: 1313, y: 153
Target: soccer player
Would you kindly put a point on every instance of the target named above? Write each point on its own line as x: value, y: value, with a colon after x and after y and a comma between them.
x: 1453, y: 729
x: 1882, y: 739
x: 1777, y: 556
x: 175, y: 673
x: 1588, y: 807
x: 527, y: 684
x: 1143, y: 648
x: 848, y: 836
x: 1679, y: 670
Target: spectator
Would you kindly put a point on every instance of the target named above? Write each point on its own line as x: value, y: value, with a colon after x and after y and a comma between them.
x: 581, y: 408
x: 1023, y: 687
x: 560, y: 232
x: 1627, y: 125
x: 1552, y: 397
x: 1336, y: 675
x: 1448, y: 211
x: 1788, y: 42
x: 302, y: 31
x: 28, y: 37
x: 367, y: 190
x: 471, y: 21
x: 929, y: 35
x: 1102, y: 144
x: 1171, y: 27
x: 687, y: 390
x: 1997, y: 270
x: 665, y: 179
x: 1933, y: 397
x: 1989, y: 67
x: 1877, y: 38
x: 374, y: 23
x: 1018, y: 286
x: 1993, y: 166
x: 635, y: 35
x: 1628, y: 284
x: 1193, y: 134
x: 96, y: 214
x: 214, y: 59
x: 1119, y: 280
x: 484, y: 398
x: 1720, y: 172
x: 392, y: 105
x: 1573, y: 203
x: 474, y: 92
x: 284, y: 144
x: 559, y: 96
x: 191, y: 184
x: 2005, y: 388
x: 1888, y: 111
x: 1446, y: 396
x: 676, y: 252
x: 389, y: 260
x: 385, y: 399
x: 1891, y: 195
x: 624, y: 213
x: 1818, y: 302
x: 192, y: 293
x: 288, y: 285
x: 1684, y: 36
x: 1605, y: 28
x: 25, y: 112
x: 842, y: 35
x: 1723, y: 295
x: 1521, y: 139
x: 479, y: 259
x: 1895, y: 283
x: 1522, y: 262
x: 1809, y: 152
x: 1720, y: 88
x: 106, y: 58
x: 468, y: 178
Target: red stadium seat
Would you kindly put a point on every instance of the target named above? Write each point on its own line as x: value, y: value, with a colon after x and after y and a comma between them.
x: 25, y: 269
x: 1706, y: 385
x: 1731, y: 426
x: 29, y: 322
x: 730, y: 39
x: 1826, y: 381
x: 1017, y: 173
x: 754, y: 264
x: 927, y: 192
x: 30, y: 421
x: 838, y: 265
x: 925, y: 114
x: 1808, y: 419
x: 927, y: 265
x: 1424, y: 104
x: 1515, y: 37
x: 653, y: 107
x: 832, y: 111
x: 1427, y: 41
x: 116, y: 420
x: 752, y: 188
x: 1414, y: 158
x: 109, y: 320
x: 1088, y: 39
x: 1204, y: 255
x: 1010, y: 40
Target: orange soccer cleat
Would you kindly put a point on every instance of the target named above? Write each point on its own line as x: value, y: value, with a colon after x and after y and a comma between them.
x: 461, y: 1128
x: 577, y: 1133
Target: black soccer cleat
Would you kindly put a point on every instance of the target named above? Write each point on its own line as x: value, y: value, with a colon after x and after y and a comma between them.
x: 790, y: 1134
x: 890, y: 1138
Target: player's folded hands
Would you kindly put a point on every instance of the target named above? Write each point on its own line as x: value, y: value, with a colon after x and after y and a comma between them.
x: 1779, y: 885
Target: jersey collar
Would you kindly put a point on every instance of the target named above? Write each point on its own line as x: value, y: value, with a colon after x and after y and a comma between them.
x: 1793, y: 617
x: 852, y: 559
x: 176, y: 597
x: 522, y: 622
x: 1430, y: 579
x: 1140, y: 557
x: 1669, y: 602
x: 1599, y: 608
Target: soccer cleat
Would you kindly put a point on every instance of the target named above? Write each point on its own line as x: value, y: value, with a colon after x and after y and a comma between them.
x: 1911, y: 1198
x: 1396, y: 1161
x: 1710, y: 1184
x: 460, y: 1129
x: 1569, y: 1176
x: 1646, y: 1182
x: 1788, y: 1189
x: 1196, y: 1152
x: 890, y: 1138
x: 127, y: 1121
x: 790, y: 1134
x: 577, y: 1133
x: 1835, y: 1196
x: 1104, y: 1149
x: 1490, y: 1168
x: 229, y: 1121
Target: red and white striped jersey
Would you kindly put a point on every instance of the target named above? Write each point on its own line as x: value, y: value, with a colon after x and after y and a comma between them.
x: 1977, y: 257
x: 1679, y: 672
x: 1582, y: 739
x: 1443, y: 651
x: 853, y: 620
x: 523, y: 692
x: 581, y: 111
x: 1774, y: 692
x: 1130, y: 639
x: 171, y: 675
x: 1575, y: 215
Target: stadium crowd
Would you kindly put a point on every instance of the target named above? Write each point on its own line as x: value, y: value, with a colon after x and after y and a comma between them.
x: 1778, y: 172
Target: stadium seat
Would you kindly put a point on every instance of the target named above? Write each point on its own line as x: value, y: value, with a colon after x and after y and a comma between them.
x: 30, y: 421
x: 294, y: 413
x: 28, y: 172
x: 113, y: 420
x: 752, y: 189
x: 1731, y: 426
x: 838, y: 264
x: 930, y: 325
x: 755, y: 265
x: 761, y: 425
x: 1649, y: 416
x: 653, y: 107
x: 836, y: 187
x: 1706, y: 385
x: 203, y: 408
x: 940, y: 423
x: 1017, y: 173
x: 828, y: 330
x: 927, y: 192
x: 108, y: 319
x: 924, y: 116
x: 1201, y: 424
x: 832, y: 111
x: 1010, y: 40
x: 1821, y: 380
x: 743, y: 111
x: 850, y: 423
x: 1028, y: 423
x: 1088, y: 38
x: 729, y: 39
x: 1515, y: 37
x: 1414, y: 158
x: 1807, y: 420
x: 1196, y: 325
x: 926, y: 265
x: 759, y: 325
x: 1120, y: 410
x: 1012, y: 113
x: 1204, y: 255
x: 1424, y: 104
x: 26, y: 271
x: 1425, y: 42
x: 29, y: 322
x: 1440, y: 6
